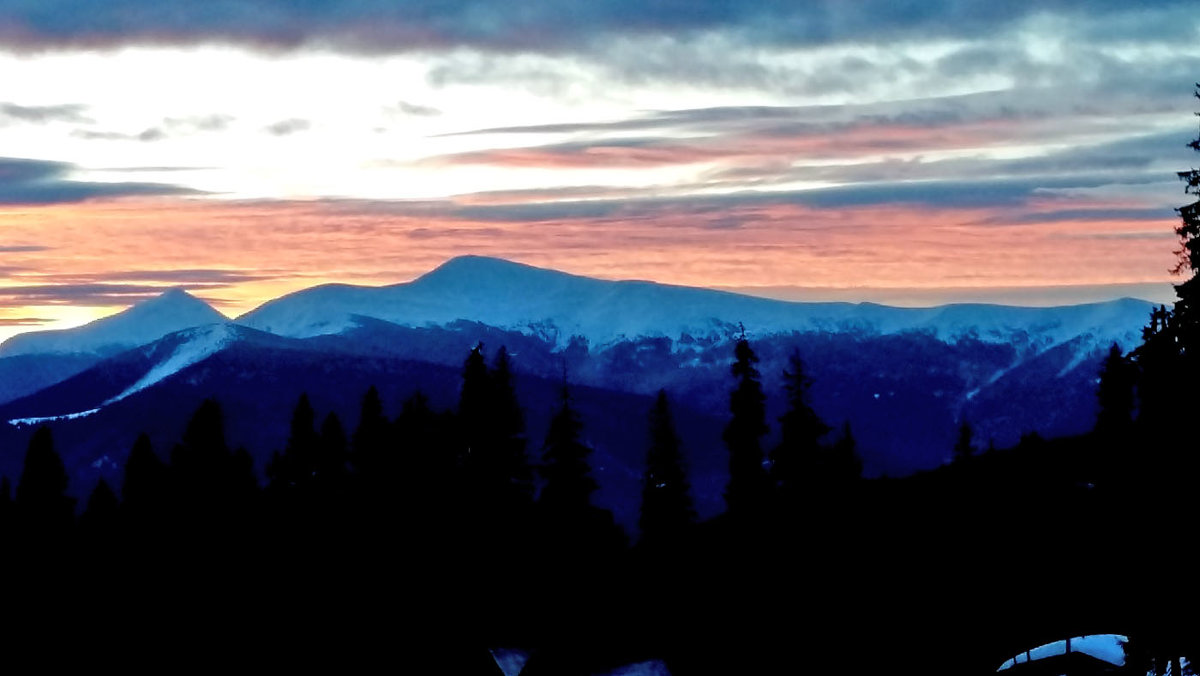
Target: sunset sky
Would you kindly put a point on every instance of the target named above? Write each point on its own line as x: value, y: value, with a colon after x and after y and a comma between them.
x: 903, y: 152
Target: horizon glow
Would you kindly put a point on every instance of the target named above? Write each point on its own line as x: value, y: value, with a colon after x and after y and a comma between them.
x: 1024, y: 156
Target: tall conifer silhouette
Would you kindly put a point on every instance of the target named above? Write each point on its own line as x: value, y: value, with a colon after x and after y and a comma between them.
x: 749, y: 487
x: 507, y: 423
x: 569, y: 483
x: 964, y: 447
x: 799, y: 461
x: 370, y: 441
x: 666, y: 500
x: 295, y: 469
x: 41, y: 502
x: 1115, y: 394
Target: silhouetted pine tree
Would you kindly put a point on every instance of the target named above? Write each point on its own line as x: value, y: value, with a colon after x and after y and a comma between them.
x: 145, y: 476
x: 749, y: 486
x: 42, y: 505
x: 964, y: 448
x: 1116, y: 394
x: 474, y: 400
x: 1187, y: 305
x: 667, y: 510
x: 144, y: 491
x: 585, y: 534
x: 845, y: 463
x: 294, y: 471
x: 429, y: 462
x: 330, y: 464
x: 569, y: 483
x: 369, y: 445
x: 507, y: 423
x: 1158, y: 364
x: 99, y: 518
x: 799, y: 462
x: 210, y: 485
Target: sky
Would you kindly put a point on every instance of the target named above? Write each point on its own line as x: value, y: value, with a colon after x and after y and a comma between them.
x: 906, y: 152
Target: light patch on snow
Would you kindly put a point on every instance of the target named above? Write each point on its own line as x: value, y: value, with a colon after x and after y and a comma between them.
x: 197, y: 345
x: 511, y: 662
x: 1079, y: 357
x: 650, y: 668
x: 103, y: 460
x: 201, y: 344
x: 1105, y: 647
x: 51, y: 418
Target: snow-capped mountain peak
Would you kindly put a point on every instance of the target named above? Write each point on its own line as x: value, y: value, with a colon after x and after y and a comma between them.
x: 558, y: 305
x: 143, y: 323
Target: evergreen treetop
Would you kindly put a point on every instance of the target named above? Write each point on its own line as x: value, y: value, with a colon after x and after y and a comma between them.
x: 748, y: 486
x: 666, y: 500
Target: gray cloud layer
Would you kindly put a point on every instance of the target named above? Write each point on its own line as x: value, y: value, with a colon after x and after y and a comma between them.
x: 542, y: 25
x: 68, y: 112
x: 24, y: 181
x: 119, y: 287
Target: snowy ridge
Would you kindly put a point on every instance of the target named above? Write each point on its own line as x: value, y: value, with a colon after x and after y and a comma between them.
x: 1107, y: 647
x: 196, y: 345
x: 141, y: 324
x: 200, y: 343
x: 52, y: 418
x: 558, y: 306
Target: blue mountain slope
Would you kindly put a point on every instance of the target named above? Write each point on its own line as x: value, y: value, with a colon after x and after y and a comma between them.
x: 558, y: 305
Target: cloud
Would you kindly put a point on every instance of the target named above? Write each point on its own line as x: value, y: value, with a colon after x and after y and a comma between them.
x: 195, y: 278
x: 384, y: 26
x: 625, y: 153
x: 76, y: 294
x: 147, y: 135
x: 24, y: 321
x: 23, y: 248
x: 287, y: 127
x: 120, y: 286
x: 69, y: 112
x: 152, y: 134
x: 1090, y: 214
x: 215, y: 122
x: 416, y: 110
x: 25, y: 181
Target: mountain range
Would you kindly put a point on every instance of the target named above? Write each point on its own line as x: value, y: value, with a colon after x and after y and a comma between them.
x: 903, y: 377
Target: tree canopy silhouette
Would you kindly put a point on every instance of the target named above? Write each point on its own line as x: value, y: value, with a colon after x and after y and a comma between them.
x: 799, y: 461
x: 41, y: 501
x: 569, y: 483
x: 748, y: 487
x: 666, y: 496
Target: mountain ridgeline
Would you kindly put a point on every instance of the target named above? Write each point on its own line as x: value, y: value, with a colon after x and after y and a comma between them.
x: 902, y: 378
x: 573, y: 497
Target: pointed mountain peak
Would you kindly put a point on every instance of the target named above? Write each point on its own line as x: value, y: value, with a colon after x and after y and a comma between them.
x: 177, y: 302
x: 172, y: 310
x: 175, y: 296
x: 175, y: 293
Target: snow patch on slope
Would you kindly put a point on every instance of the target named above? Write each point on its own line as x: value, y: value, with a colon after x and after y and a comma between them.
x: 200, y: 344
x: 52, y: 418
x: 1107, y: 647
x: 197, y: 345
